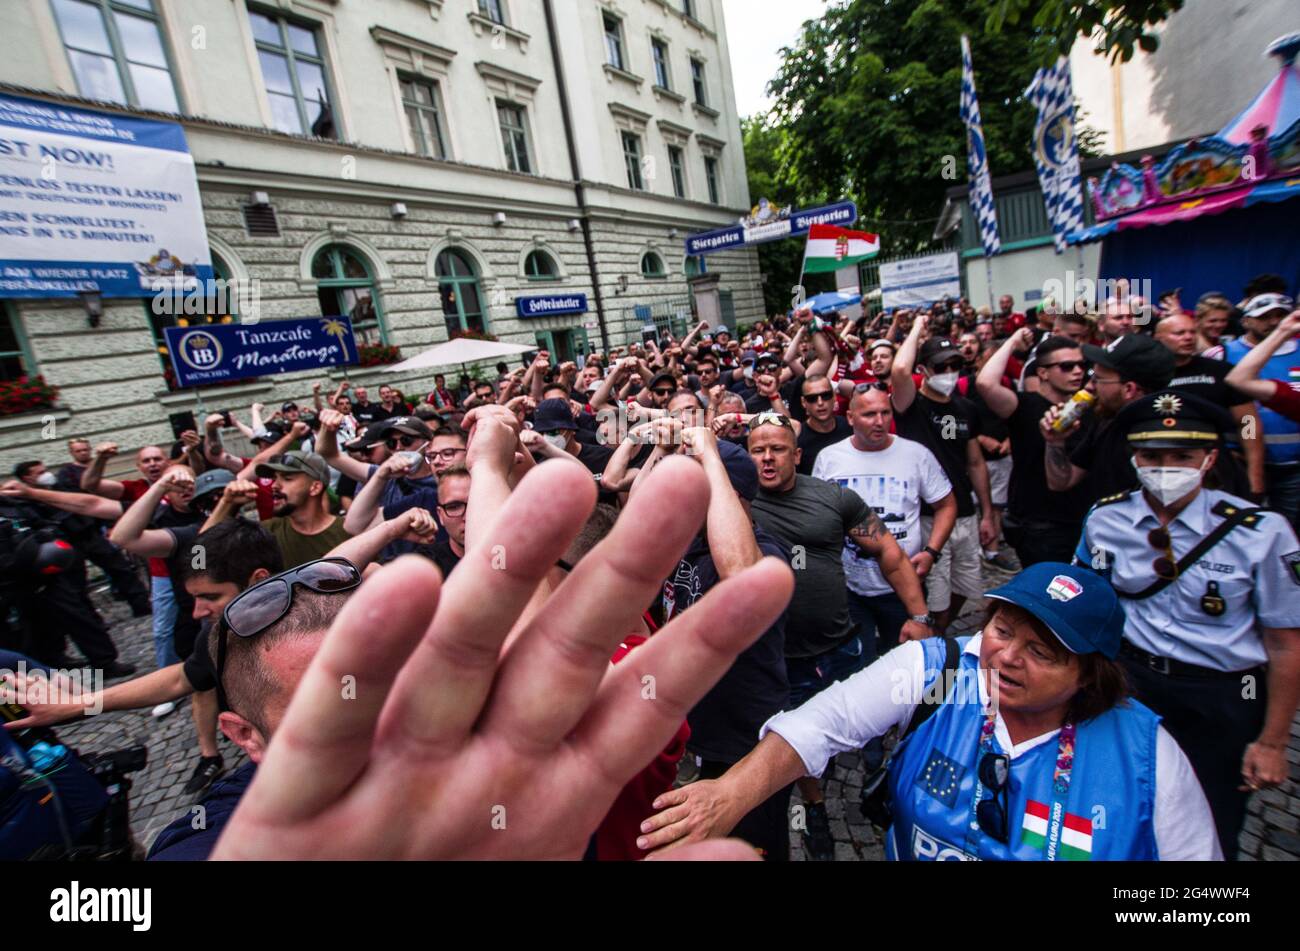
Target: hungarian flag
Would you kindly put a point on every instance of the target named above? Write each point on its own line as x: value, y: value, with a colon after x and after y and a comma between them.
x: 1076, y: 833
x: 831, y: 248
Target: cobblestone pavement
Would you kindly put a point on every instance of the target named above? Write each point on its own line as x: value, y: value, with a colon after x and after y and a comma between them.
x: 156, y: 796
x: 1272, y: 830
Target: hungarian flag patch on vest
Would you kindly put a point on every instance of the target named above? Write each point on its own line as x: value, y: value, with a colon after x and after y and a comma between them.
x: 1076, y: 834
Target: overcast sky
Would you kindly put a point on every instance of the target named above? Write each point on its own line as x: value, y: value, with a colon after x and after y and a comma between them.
x: 756, y: 29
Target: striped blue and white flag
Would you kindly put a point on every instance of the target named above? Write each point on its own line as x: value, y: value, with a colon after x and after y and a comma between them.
x: 981, y: 189
x: 1056, y: 149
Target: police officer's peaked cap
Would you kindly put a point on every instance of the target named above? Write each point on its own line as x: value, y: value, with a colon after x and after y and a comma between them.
x: 1171, y: 419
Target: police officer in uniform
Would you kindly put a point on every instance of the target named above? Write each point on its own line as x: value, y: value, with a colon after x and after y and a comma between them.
x: 1211, y: 591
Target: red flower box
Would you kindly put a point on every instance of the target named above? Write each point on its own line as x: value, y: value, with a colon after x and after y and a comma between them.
x: 26, y: 395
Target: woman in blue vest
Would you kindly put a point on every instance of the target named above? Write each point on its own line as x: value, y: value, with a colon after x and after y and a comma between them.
x: 1034, y: 752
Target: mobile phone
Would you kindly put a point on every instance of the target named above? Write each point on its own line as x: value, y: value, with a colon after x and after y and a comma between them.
x: 226, y: 420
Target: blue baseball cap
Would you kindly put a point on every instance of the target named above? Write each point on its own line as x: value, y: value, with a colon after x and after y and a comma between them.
x: 1078, y: 605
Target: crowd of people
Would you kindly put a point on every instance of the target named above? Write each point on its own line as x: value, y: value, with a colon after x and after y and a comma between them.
x: 745, y: 545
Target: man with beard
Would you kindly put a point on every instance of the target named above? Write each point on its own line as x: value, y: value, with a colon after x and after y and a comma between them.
x: 301, y: 522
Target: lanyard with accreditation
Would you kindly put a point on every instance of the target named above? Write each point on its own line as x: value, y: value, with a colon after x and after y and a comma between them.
x: 1060, y: 789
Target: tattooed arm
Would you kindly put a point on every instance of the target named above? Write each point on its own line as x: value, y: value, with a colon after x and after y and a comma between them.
x: 1062, y: 474
x: 871, y: 536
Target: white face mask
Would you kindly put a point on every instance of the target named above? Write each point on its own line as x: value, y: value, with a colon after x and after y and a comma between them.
x: 1170, y: 483
x: 749, y: 371
x: 943, y: 383
x: 47, y: 479
x: 558, y: 440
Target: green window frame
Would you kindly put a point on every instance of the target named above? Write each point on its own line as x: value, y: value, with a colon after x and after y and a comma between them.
x: 345, y: 287
x: 461, y: 294
x: 289, y: 55
x: 514, y: 136
x: 677, y: 166
x: 422, y: 100
x: 539, y: 265
x: 117, y: 52
x: 652, y: 265
x: 632, y: 159
x: 711, y: 176
x: 16, y: 360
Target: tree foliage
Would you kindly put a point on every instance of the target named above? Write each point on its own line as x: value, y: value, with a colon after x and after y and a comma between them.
x: 867, y: 107
x: 1121, y: 26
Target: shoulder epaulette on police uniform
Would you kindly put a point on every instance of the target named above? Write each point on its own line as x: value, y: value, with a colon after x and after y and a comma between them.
x: 1225, y: 509
x: 1112, y: 499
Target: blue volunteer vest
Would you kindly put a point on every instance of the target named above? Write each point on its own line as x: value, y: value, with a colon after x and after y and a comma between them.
x: 1281, y: 435
x: 1108, y: 811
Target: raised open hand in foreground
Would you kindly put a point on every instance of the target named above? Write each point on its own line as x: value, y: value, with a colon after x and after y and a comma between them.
x: 451, y: 749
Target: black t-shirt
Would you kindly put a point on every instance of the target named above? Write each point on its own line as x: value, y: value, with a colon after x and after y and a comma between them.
x: 198, y: 668
x: 1105, y: 453
x: 1028, y: 498
x: 1205, y: 378
x: 816, y: 516
x: 811, y: 442
x: 725, y: 723
x: 440, y: 554
x: 944, y: 429
x: 184, y: 528
x: 991, y: 424
x: 348, y: 487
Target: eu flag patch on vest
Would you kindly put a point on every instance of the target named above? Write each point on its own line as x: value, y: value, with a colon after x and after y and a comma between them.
x: 941, y: 777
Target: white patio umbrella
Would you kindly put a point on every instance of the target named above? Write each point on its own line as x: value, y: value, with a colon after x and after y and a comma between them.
x: 461, y: 351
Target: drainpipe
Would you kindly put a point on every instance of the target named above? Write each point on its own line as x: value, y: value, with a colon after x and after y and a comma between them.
x: 578, y: 189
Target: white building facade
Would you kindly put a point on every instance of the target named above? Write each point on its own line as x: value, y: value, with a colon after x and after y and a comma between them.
x: 414, y: 164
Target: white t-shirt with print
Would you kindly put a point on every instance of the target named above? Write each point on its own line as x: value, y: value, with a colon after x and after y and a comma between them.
x: 893, y: 481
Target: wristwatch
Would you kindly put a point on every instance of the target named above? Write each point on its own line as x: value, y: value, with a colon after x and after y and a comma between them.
x: 932, y: 553
x: 926, y: 619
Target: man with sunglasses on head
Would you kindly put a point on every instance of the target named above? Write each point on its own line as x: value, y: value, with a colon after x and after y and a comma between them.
x: 1041, y: 524
x: 1211, y: 591
x: 947, y: 424
x: 822, y: 427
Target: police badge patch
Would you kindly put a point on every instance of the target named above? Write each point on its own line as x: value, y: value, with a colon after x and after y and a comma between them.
x: 941, y: 777
x: 1292, y: 562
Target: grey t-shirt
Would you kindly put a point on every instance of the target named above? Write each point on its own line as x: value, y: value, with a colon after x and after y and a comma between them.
x: 813, y: 519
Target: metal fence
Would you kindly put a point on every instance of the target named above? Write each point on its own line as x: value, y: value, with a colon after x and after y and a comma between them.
x: 674, y: 315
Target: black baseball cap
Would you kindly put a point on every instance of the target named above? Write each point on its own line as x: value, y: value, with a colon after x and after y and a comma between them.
x: 553, y: 415
x: 1135, y: 357
x: 660, y: 377
x: 410, y: 425
x: 288, y: 406
x: 372, y: 435
x: 937, y: 351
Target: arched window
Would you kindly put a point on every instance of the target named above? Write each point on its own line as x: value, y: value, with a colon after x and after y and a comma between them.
x: 652, y: 265
x: 462, y: 301
x: 219, y: 305
x: 540, y: 266
x: 694, y: 265
x: 346, y: 288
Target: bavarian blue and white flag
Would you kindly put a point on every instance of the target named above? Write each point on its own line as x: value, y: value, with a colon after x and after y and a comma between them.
x: 1056, y: 150
x: 981, y: 189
